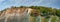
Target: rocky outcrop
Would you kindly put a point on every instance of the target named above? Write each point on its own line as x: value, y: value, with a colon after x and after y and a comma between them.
x: 15, y: 15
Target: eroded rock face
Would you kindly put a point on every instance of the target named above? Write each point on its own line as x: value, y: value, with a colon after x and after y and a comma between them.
x: 15, y: 15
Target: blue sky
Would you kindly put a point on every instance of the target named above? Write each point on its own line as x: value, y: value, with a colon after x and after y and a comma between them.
x: 49, y: 3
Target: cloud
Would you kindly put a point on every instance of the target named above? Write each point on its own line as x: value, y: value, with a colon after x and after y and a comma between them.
x: 36, y: 2
x: 8, y: 3
x: 1, y: 1
x: 40, y: 1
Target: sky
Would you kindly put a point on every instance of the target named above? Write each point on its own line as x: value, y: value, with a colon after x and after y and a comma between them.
x: 48, y: 3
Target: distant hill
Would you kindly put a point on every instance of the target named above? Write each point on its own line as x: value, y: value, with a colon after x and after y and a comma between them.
x: 40, y: 9
x: 33, y: 11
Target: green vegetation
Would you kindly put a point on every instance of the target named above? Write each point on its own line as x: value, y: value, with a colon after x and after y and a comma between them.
x: 46, y: 12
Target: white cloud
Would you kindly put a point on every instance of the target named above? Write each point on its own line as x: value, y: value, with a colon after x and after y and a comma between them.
x: 35, y: 2
x: 1, y: 1
x: 40, y: 1
x: 50, y: 2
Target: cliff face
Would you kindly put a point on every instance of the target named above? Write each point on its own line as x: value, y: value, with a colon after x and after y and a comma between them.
x: 15, y: 15
x: 31, y: 14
